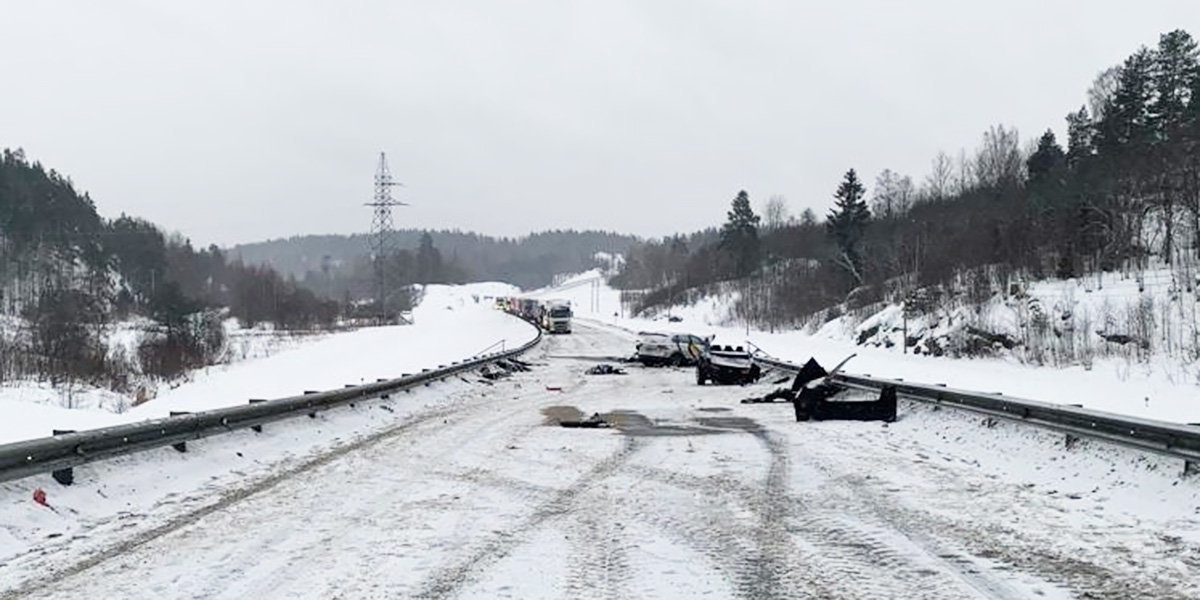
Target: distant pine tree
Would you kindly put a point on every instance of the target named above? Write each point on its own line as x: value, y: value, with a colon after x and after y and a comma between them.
x: 1047, y: 164
x: 1127, y: 122
x: 1175, y: 74
x: 429, y: 261
x: 1081, y: 136
x: 739, y: 235
x: 847, y: 223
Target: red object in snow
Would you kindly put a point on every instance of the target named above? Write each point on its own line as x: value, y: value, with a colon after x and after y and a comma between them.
x: 39, y: 496
x: 553, y: 388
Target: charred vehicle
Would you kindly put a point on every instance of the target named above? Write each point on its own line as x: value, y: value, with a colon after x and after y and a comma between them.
x: 815, y: 396
x: 727, y: 365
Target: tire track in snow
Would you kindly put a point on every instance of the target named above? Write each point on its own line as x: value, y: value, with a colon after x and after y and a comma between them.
x: 754, y: 550
x: 817, y: 551
x: 968, y: 549
x: 768, y: 562
x: 768, y: 575
x: 461, y: 410
x: 450, y: 580
x: 51, y: 575
x: 599, y: 565
x: 1082, y: 574
x: 491, y: 479
x: 590, y: 529
x: 727, y: 540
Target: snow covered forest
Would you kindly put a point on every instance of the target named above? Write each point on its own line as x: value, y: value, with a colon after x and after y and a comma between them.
x: 335, y: 265
x: 1051, y: 254
x: 117, y: 303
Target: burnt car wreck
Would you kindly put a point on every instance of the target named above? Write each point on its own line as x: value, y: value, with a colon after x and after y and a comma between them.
x: 813, y: 396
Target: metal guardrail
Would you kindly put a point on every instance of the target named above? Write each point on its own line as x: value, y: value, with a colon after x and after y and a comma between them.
x: 67, y: 450
x: 1170, y: 439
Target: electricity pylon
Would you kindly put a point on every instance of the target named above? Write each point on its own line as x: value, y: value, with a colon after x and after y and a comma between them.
x: 383, y: 246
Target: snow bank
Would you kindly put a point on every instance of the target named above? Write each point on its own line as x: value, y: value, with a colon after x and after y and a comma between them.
x: 451, y: 323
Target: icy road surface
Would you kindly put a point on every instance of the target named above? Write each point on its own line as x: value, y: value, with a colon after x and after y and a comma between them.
x: 476, y: 493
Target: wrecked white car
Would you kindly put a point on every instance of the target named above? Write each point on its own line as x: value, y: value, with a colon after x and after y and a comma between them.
x: 727, y: 365
x: 677, y: 349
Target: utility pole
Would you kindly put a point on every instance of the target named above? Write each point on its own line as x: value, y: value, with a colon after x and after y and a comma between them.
x: 382, y: 243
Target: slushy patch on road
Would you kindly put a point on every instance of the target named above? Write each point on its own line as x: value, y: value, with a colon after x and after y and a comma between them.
x: 633, y: 423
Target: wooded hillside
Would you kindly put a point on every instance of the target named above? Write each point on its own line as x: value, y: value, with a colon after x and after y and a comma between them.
x: 1122, y: 196
x: 331, y: 264
x: 67, y: 276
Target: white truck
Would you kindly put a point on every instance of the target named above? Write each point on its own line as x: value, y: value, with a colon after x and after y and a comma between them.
x: 556, y: 316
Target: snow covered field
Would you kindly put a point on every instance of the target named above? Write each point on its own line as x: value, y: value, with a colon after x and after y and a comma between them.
x: 469, y: 490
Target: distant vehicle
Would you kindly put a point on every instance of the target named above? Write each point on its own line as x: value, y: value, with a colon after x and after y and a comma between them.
x: 556, y: 316
x: 529, y: 309
x: 727, y: 365
x: 678, y: 349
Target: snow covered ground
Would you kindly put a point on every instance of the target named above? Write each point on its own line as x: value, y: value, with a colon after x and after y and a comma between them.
x: 1161, y: 389
x: 471, y: 490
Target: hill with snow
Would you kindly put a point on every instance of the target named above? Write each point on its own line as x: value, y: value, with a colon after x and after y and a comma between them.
x: 1121, y: 378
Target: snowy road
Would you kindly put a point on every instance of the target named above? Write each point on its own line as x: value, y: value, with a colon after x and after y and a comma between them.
x: 694, y: 495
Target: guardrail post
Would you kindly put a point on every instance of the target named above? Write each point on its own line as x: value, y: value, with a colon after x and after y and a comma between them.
x: 179, y: 446
x: 312, y: 414
x: 257, y: 428
x: 63, y: 476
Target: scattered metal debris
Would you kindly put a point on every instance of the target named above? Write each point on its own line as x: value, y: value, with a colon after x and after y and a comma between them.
x: 503, y: 368
x: 593, y: 422
x: 605, y: 369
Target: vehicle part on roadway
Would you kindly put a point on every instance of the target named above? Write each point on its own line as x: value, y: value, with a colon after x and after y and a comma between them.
x: 727, y: 365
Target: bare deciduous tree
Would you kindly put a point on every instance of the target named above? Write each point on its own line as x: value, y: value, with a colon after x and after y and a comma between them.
x: 1104, y: 87
x: 939, y: 182
x: 965, y: 179
x: 893, y: 194
x: 775, y: 212
x: 999, y: 162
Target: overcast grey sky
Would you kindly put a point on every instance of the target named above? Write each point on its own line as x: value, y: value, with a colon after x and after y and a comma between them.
x: 242, y: 121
